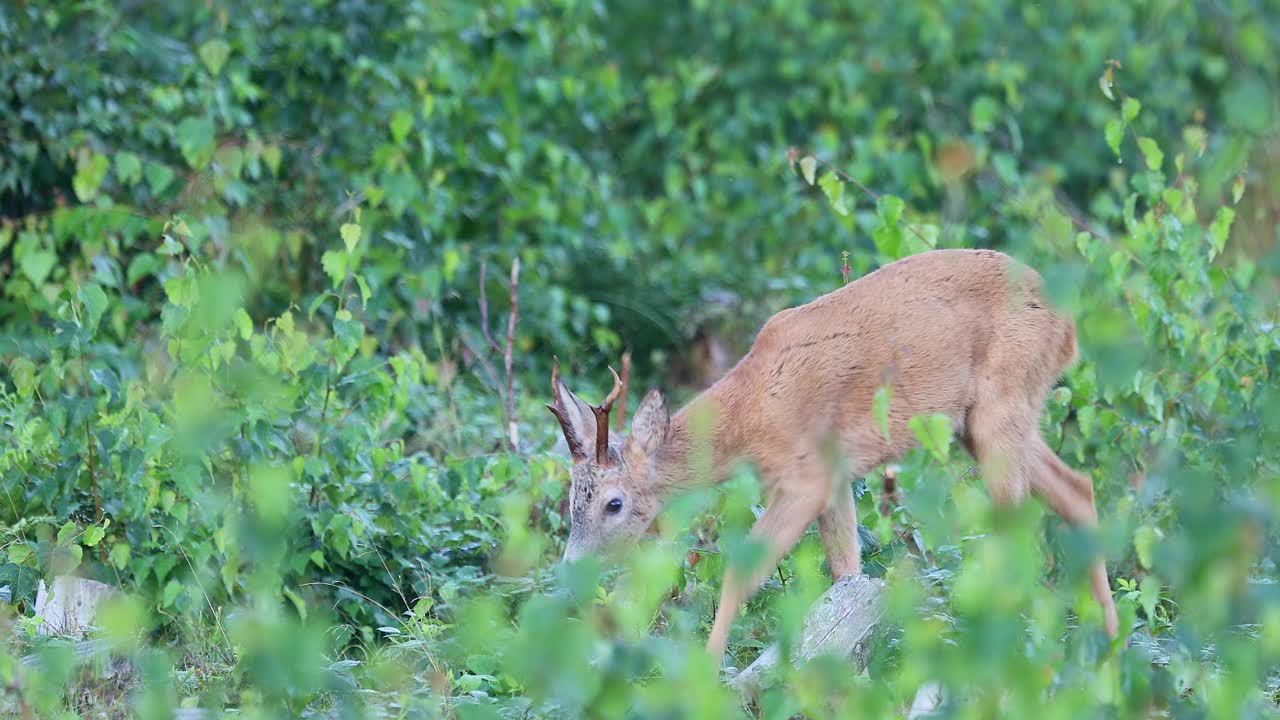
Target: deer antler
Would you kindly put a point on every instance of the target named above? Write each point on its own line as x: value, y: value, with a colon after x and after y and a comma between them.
x: 571, y: 438
x: 602, y: 421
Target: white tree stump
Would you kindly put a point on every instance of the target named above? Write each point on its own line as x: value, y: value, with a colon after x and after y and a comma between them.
x: 839, y: 623
x: 68, y: 607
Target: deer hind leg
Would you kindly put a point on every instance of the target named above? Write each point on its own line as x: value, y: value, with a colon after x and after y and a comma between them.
x: 997, y: 438
x: 838, y: 525
x: 779, y: 528
x: 1070, y: 495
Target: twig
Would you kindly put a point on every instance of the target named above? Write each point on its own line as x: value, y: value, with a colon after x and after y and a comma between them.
x: 794, y: 153
x: 512, y: 426
x: 88, y: 439
x: 626, y: 385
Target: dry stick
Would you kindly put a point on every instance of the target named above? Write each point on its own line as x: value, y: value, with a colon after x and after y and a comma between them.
x: 793, y: 153
x: 626, y: 384
x: 512, y: 427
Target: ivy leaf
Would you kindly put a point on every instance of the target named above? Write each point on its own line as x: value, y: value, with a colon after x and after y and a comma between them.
x: 350, y: 235
x: 834, y: 190
x: 808, y: 166
x: 214, y: 54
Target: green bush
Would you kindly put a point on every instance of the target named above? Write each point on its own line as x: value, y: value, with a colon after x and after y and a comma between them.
x: 256, y: 290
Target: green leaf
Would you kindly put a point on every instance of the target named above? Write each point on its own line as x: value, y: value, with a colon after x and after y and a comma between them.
x: 37, y: 266
x: 834, y: 190
x: 350, y: 235
x: 244, y: 323
x: 808, y: 166
x: 364, y: 290
x: 1220, y: 230
x: 119, y: 555
x: 90, y: 172
x: 1151, y: 152
x: 1237, y: 190
x: 335, y: 266
x: 93, y: 535
x: 68, y: 531
x: 171, y: 592
x: 1144, y: 542
x: 982, y: 113
x: 19, y: 553
x: 1130, y: 109
x: 1149, y: 596
x: 195, y: 137
x: 23, y: 372
x: 158, y: 177
x: 95, y: 304
x: 128, y: 168
x: 890, y: 209
x: 401, y: 123
x: 880, y: 406
x: 934, y: 434
x: 1085, y: 417
x: 271, y: 156
x: 1115, y: 133
x: 214, y: 54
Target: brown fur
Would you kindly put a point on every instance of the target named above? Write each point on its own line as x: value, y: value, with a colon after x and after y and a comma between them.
x: 964, y: 333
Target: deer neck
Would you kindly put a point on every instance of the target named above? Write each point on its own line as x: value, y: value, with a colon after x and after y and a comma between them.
x: 701, y: 445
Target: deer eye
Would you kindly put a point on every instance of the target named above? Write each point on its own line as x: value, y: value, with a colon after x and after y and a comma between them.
x: 613, y: 506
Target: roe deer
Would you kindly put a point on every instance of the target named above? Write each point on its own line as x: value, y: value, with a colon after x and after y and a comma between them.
x: 964, y: 333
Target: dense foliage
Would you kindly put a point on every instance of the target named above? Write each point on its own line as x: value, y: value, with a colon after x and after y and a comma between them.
x: 267, y: 367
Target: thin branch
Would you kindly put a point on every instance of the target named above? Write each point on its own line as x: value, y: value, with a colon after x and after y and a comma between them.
x: 794, y: 153
x: 512, y: 426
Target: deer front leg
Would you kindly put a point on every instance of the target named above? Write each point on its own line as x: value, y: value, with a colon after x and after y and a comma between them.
x: 838, y: 525
x: 779, y: 528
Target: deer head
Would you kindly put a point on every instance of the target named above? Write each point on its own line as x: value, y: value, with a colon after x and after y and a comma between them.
x: 614, y: 492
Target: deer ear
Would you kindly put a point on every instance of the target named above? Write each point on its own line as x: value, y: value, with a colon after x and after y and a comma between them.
x: 648, y: 429
x: 578, y: 423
